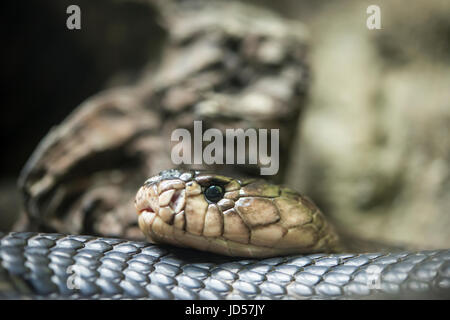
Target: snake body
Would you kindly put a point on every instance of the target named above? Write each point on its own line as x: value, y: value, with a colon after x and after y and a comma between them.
x: 36, y: 265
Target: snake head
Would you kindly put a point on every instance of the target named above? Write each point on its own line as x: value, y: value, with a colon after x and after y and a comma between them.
x: 230, y: 216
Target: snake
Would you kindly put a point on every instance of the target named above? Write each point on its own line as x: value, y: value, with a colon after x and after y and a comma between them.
x: 216, y: 237
x: 209, y: 235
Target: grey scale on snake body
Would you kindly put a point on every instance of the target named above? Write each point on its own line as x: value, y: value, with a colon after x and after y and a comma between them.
x: 34, y: 265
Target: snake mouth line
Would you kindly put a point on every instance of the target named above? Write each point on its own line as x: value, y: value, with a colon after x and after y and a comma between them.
x: 148, y: 209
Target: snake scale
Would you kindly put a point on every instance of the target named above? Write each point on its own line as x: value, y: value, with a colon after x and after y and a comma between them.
x: 35, y: 265
x: 243, y: 70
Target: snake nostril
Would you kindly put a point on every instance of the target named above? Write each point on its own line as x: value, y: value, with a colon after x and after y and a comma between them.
x: 177, y: 201
x: 175, y: 197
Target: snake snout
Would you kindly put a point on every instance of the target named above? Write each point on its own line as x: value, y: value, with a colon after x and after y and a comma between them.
x: 142, y: 202
x: 163, y: 201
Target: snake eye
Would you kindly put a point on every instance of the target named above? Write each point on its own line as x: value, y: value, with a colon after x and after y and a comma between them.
x: 214, y: 193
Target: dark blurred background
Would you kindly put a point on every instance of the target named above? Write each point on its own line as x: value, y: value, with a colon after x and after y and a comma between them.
x: 48, y: 70
x: 374, y: 144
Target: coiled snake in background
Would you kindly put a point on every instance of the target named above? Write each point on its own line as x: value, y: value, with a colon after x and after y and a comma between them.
x: 232, y: 72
